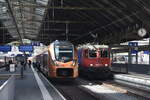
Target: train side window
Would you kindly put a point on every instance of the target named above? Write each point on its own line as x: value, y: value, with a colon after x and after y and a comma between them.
x: 92, y: 53
x: 45, y: 59
x: 104, y: 53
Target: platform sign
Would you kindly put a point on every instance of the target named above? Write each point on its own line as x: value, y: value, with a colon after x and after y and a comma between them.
x: 134, y: 51
x: 5, y: 48
x: 35, y: 43
x: 146, y: 52
x: 26, y: 48
x: 133, y: 44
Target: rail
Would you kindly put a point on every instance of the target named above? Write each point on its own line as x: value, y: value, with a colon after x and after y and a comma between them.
x: 7, y: 89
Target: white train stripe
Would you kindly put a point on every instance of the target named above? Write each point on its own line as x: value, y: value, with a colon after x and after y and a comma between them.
x: 44, y: 91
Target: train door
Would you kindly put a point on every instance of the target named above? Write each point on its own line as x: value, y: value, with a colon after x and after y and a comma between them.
x: 105, y: 58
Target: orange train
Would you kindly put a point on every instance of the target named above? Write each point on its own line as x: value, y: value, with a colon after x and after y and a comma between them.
x: 59, y: 60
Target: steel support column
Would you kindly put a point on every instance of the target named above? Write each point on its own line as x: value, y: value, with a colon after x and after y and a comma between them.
x: 136, y: 48
x: 137, y: 58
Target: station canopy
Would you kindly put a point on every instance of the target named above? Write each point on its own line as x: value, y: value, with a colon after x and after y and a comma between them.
x: 79, y: 21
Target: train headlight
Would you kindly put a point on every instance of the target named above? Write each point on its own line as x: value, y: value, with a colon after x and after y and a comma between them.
x: 74, y: 63
x: 55, y: 62
x: 91, y: 64
x: 106, y: 65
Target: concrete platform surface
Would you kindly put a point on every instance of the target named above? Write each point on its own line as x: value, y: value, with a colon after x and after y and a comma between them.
x: 34, y: 86
x: 27, y: 88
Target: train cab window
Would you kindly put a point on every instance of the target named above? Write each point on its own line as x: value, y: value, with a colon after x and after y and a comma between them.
x: 104, y: 53
x: 92, y: 53
x: 64, y: 54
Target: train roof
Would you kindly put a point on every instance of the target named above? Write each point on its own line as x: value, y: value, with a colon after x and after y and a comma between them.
x: 62, y: 43
x: 92, y: 46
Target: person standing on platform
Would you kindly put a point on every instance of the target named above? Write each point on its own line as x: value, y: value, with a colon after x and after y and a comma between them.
x: 23, y: 64
x: 29, y: 63
x: 22, y: 68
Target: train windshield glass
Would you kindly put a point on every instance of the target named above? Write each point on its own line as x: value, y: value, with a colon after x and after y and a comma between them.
x: 92, y: 53
x: 64, y: 54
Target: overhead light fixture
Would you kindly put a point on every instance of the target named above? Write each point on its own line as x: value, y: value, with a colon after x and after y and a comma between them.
x: 94, y: 35
x: 4, y: 9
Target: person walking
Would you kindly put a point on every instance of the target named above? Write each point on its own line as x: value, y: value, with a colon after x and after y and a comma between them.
x: 23, y: 64
x: 29, y: 63
x: 22, y: 68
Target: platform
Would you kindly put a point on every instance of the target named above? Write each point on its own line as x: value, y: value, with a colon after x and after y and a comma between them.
x: 140, y: 81
x: 34, y: 86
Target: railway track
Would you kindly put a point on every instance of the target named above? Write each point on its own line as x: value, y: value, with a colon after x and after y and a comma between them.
x: 71, y: 91
x: 82, y: 89
x: 129, y: 89
x: 131, y: 93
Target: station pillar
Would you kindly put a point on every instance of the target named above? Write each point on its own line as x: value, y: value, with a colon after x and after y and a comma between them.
x: 112, y: 56
x: 149, y: 51
x: 136, y: 58
x: 129, y: 59
x: 136, y: 48
x: 5, y: 60
x: 149, y: 57
x: 111, y: 53
x: 129, y: 55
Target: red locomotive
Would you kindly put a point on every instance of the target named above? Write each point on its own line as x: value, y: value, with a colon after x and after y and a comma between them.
x: 94, y: 61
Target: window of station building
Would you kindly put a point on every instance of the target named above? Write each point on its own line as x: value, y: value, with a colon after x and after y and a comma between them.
x: 104, y: 53
x: 92, y: 53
